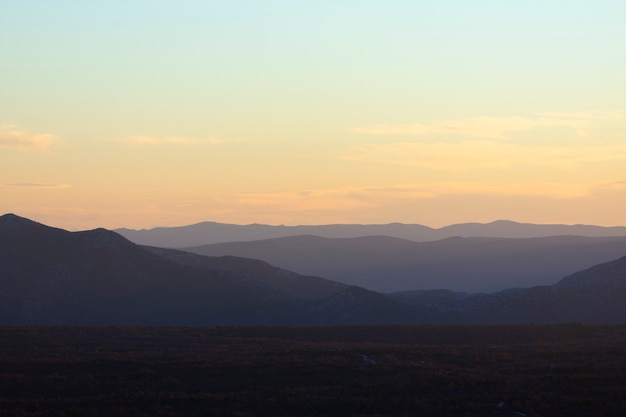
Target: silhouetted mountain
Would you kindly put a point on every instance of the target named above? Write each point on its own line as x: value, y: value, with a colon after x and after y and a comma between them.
x: 595, y: 295
x: 310, y: 287
x: 387, y: 264
x: 49, y: 275
x: 211, y: 232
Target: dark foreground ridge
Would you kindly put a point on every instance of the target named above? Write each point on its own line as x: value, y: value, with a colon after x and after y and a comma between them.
x: 503, y: 371
x: 97, y: 277
x: 52, y: 276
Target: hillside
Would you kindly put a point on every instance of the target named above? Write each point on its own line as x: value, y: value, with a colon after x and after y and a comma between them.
x: 386, y: 264
x: 52, y: 276
x: 595, y: 295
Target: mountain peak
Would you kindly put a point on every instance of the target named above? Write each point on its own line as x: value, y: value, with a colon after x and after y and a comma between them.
x: 504, y: 221
x: 12, y: 221
x: 101, y: 237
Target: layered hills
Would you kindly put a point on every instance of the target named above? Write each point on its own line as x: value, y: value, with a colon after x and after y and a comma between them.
x: 388, y: 264
x: 211, y: 232
x: 52, y: 276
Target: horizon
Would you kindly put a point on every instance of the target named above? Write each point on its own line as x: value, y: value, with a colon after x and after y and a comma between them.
x: 316, y: 225
x: 158, y: 114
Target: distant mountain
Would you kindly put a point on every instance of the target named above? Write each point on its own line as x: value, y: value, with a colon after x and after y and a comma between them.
x: 211, y: 232
x: 387, y: 264
x: 52, y: 276
x: 595, y: 295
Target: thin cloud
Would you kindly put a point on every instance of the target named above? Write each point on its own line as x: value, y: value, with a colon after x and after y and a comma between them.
x: 168, y: 140
x: 612, y: 186
x: 587, y: 115
x: 37, y: 185
x: 486, y: 154
x: 362, y: 198
x: 507, y: 189
x: 307, y: 200
x: 494, y: 127
x: 13, y: 137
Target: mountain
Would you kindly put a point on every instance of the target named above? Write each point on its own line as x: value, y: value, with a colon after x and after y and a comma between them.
x: 52, y: 276
x: 210, y: 232
x: 309, y: 287
x: 595, y: 295
x: 510, y: 229
x: 387, y: 264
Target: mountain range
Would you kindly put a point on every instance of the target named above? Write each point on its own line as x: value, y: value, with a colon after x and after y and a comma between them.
x: 52, y: 276
x: 388, y: 264
x: 210, y: 232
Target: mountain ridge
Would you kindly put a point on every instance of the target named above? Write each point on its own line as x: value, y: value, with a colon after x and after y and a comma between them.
x: 389, y: 264
x: 595, y: 295
x: 212, y: 232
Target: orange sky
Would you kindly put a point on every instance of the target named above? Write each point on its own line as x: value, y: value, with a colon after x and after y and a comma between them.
x: 161, y: 113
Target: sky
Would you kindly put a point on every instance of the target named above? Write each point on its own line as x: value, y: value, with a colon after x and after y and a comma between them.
x: 145, y: 113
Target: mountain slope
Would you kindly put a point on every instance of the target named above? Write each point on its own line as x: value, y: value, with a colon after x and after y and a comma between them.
x: 97, y: 277
x: 309, y: 287
x: 386, y: 264
x: 53, y: 276
x: 595, y: 295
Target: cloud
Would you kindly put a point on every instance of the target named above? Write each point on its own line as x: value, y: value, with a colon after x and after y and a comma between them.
x: 494, y: 127
x: 612, y: 186
x: 587, y: 115
x: 168, y: 140
x: 349, y: 199
x: 37, y: 185
x: 484, y: 154
x: 307, y: 200
x: 13, y: 137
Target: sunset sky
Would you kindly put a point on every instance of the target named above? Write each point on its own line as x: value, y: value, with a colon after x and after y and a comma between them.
x: 143, y: 113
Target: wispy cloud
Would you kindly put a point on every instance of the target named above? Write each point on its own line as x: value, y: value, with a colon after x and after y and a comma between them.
x: 167, y: 140
x: 587, y: 115
x: 14, y: 137
x: 37, y: 185
x: 307, y: 200
x: 493, y: 127
x: 486, y: 154
x: 365, y: 197
x: 612, y: 186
